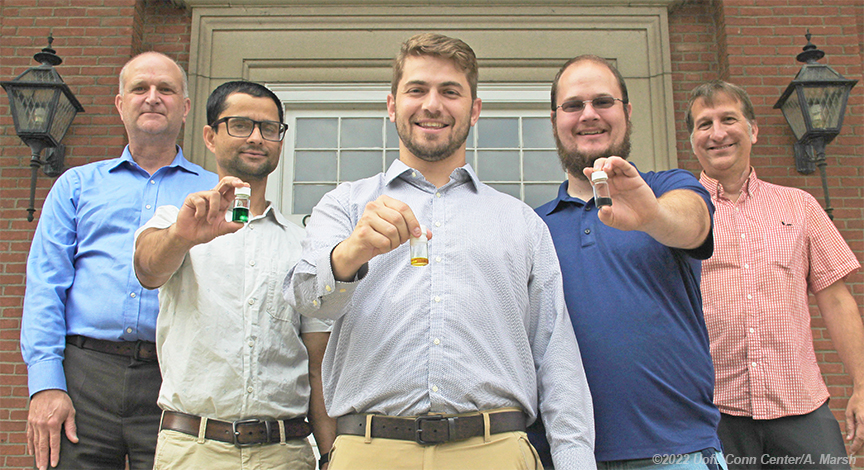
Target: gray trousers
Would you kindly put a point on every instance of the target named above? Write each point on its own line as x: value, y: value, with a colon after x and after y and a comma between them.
x: 810, y: 441
x: 116, y: 412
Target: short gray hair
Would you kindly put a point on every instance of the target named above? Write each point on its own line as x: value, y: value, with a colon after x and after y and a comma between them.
x: 185, y: 83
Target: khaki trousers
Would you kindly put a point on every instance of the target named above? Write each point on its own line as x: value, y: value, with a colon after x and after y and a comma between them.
x: 504, y: 451
x: 175, y: 450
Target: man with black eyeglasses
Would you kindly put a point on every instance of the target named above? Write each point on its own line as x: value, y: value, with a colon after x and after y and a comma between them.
x: 242, y: 370
x: 631, y: 281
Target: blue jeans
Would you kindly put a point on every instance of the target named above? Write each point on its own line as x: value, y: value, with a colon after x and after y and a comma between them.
x: 708, y: 459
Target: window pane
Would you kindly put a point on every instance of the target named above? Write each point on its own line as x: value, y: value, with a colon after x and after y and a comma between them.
x: 314, y: 166
x: 543, y: 166
x: 316, y: 133
x: 358, y: 164
x: 470, y: 144
x: 357, y: 133
x: 498, y: 133
x: 537, y: 133
x: 392, y: 136
x: 538, y: 194
x: 498, y: 165
x: 392, y: 155
x: 511, y: 189
x: 307, y: 195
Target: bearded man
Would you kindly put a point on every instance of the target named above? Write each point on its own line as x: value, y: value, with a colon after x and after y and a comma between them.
x: 442, y: 366
x: 631, y: 281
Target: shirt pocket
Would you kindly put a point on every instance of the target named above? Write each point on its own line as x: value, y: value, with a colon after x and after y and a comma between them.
x: 785, y: 244
x: 277, y: 306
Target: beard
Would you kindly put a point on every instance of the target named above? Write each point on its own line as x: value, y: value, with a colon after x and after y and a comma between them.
x: 432, y: 151
x: 574, y: 161
x: 246, y: 171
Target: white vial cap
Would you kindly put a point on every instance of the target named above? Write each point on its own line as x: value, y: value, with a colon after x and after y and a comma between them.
x: 243, y: 191
x: 598, y: 176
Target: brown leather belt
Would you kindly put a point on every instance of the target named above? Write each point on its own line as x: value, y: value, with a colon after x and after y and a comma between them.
x: 139, y: 350
x: 430, y: 429
x: 241, y: 433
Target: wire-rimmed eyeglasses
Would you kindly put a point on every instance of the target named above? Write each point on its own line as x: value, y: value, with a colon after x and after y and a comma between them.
x: 577, y: 106
x: 238, y: 126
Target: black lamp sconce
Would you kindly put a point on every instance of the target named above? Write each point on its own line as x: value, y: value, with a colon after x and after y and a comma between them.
x: 814, y: 105
x: 42, y: 108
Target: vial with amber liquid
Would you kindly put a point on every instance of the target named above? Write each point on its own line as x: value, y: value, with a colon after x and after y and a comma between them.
x: 601, y: 189
x: 240, y: 212
x: 419, y: 248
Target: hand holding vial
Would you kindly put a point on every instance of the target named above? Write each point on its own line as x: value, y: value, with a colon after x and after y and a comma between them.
x: 202, y: 215
x: 386, y: 224
x: 635, y: 205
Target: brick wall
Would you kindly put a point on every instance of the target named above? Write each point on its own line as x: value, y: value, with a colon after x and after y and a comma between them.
x: 94, y: 38
x: 753, y: 46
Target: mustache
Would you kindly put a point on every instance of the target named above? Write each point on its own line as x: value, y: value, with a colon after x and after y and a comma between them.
x: 253, y: 149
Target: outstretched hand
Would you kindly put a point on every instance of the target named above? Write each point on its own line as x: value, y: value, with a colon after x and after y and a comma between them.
x: 202, y: 215
x: 634, y: 204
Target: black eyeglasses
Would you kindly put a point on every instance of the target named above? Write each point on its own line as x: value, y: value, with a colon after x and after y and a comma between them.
x: 604, y: 102
x: 242, y: 127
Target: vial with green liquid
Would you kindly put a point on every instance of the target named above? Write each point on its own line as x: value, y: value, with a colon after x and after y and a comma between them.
x: 240, y: 212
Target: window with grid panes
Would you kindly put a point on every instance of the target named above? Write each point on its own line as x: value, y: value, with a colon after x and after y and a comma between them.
x: 511, y: 150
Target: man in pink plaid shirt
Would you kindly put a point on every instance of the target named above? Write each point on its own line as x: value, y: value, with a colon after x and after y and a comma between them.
x: 772, y: 244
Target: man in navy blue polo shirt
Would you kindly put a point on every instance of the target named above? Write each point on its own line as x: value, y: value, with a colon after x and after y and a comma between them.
x: 631, y: 280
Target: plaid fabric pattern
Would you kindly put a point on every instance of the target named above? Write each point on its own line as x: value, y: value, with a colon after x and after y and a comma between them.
x: 771, y: 246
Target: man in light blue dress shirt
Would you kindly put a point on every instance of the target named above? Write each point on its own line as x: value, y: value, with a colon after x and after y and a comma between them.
x: 440, y: 366
x: 88, y: 327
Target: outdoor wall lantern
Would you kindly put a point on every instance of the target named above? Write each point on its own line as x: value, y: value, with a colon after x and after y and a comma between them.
x: 814, y: 105
x: 42, y: 108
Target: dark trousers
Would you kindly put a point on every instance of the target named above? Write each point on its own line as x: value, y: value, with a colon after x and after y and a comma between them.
x: 810, y: 441
x: 116, y: 413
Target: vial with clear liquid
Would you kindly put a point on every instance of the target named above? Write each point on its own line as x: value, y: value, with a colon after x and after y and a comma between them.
x: 240, y: 212
x: 419, y: 248
x: 601, y: 189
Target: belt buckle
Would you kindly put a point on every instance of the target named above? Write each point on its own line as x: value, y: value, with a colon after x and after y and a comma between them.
x: 235, y: 433
x: 418, y: 421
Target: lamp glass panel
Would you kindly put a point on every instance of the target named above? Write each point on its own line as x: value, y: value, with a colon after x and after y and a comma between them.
x: 62, y: 117
x: 825, y: 103
x: 792, y: 112
x: 31, y: 106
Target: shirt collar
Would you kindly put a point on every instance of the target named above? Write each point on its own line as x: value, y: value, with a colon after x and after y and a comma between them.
x: 563, y: 198
x: 277, y: 215
x: 464, y: 173
x: 714, y: 187
x: 178, y: 162
x: 271, y: 213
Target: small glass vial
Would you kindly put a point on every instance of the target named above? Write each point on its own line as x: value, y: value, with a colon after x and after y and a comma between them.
x: 240, y: 212
x: 601, y: 189
x: 420, y: 249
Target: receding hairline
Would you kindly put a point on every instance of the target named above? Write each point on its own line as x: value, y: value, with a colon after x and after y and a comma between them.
x: 184, y: 81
